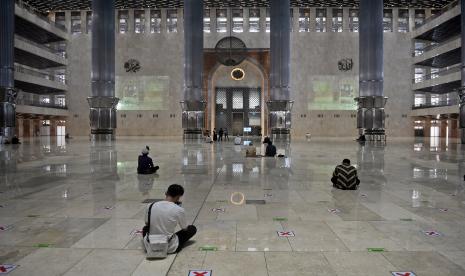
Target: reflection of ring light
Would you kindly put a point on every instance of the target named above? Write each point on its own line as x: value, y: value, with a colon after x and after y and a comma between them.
x: 240, y: 202
x: 237, y: 74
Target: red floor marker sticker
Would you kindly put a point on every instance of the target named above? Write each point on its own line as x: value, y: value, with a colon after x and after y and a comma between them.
x: 5, y: 227
x: 135, y: 232
x: 285, y: 234
x: 432, y: 233
x: 443, y: 209
x: 334, y: 211
x: 200, y: 273
x: 7, y: 268
x: 402, y: 273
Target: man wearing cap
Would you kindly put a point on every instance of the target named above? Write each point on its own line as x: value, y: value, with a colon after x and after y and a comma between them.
x: 145, y: 164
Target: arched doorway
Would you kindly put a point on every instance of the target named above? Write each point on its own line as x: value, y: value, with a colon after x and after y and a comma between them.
x: 237, y: 103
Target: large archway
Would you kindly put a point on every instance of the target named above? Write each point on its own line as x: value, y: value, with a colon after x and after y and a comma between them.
x: 256, y: 77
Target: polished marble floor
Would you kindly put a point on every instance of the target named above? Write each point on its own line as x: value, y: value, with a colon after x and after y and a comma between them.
x: 72, y: 208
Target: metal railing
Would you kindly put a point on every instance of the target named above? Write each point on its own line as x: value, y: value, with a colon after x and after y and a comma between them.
x: 443, y: 72
x: 37, y: 103
x: 37, y: 13
x: 43, y: 75
x: 31, y: 99
x: 449, y: 102
x: 419, y: 52
x: 441, y: 12
x: 43, y: 46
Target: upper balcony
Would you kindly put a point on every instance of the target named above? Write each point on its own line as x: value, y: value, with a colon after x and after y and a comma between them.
x: 37, y: 55
x: 32, y: 25
x: 27, y: 79
x: 442, y: 81
x: 440, y: 54
x: 442, y: 26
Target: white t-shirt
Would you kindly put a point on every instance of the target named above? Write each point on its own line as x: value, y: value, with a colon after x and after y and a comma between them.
x: 237, y: 140
x: 165, y: 216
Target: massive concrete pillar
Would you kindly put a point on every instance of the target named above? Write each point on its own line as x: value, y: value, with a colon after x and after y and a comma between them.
x: 193, y: 105
x: 371, y: 100
x: 103, y: 102
x: 7, y: 80
x: 280, y: 105
x: 461, y: 91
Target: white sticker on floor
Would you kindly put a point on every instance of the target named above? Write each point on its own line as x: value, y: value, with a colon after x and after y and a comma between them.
x: 218, y: 210
x: 135, y: 232
x: 7, y: 268
x: 286, y: 234
x: 200, y: 273
x: 443, y: 209
x: 432, y: 233
x: 109, y: 207
x: 403, y: 273
x: 334, y: 211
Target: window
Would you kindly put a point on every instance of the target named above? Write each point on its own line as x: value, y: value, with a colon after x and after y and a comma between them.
x: 337, y: 21
x: 419, y: 17
x: 60, y: 100
x: 75, y: 22
x: 419, y: 74
x: 238, y: 99
x: 419, y: 46
x: 435, y: 12
x: 434, y: 73
x: 254, y: 20
x: 402, y: 23
x: 304, y: 20
x: 320, y: 20
x: 268, y: 21
x: 60, y: 18
x: 88, y: 22
x: 206, y: 21
x: 353, y: 20
x: 139, y: 21
x: 123, y: 21
x: 419, y: 99
x: 387, y: 21
x: 221, y: 21
x: 155, y: 21
x: 172, y: 21
x: 238, y: 20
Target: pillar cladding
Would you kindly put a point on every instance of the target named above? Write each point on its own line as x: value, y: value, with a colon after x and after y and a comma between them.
x: 193, y: 105
x: 461, y: 91
x: 280, y: 105
x: 371, y: 100
x: 7, y: 91
x: 103, y: 102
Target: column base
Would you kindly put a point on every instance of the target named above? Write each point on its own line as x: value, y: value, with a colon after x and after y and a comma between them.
x: 462, y: 135
x: 102, y: 135
x: 192, y: 134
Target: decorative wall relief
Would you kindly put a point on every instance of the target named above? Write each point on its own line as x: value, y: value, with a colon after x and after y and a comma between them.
x: 345, y: 64
x: 132, y: 65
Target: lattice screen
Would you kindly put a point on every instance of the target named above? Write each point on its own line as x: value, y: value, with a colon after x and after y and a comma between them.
x: 238, y: 99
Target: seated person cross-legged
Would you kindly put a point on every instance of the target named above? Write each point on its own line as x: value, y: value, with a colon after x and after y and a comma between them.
x: 251, y: 151
x: 145, y: 163
x: 162, y: 218
x: 345, y: 176
x: 270, y: 150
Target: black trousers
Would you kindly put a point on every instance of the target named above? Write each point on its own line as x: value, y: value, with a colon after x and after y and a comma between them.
x: 185, y: 235
x: 150, y: 171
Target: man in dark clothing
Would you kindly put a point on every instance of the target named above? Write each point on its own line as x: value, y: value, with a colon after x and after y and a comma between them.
x: 15, y: 140
x: 220, y: 134
x: 270, y: 150
x: 145, y: 164
x: 345, y: 176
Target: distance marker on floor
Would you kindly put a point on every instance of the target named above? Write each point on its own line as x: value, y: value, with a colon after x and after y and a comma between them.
x: 218, y: 210
x: 334, y: 211
x: 7, y: 268
x: 432, y: 233
x: 200, y: 273
x: 5, y: 227
x: 286, y: 234
x: 208, y: 248
x: 375, y: 249
x: 280, y: 219
x: 402, y: 273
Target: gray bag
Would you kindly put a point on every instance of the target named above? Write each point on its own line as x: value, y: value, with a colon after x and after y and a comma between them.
x: 155, y: 245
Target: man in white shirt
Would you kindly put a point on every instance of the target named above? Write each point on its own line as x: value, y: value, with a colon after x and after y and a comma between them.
x: 166, y: 215
x: 237, y: 140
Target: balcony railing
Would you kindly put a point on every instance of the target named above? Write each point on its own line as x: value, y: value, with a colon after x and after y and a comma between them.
x: 27, y: 71
x: 436, y: 104
x: 443, y: 10
x: 443, y: 72
x: 37, y: 13
x: 419, y: 52
x: 42, y: 46
x: 37, y: 103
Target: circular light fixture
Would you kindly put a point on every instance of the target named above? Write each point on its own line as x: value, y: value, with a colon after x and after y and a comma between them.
x: 237, y: 74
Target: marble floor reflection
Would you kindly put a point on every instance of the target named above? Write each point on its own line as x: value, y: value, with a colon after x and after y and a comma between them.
x: 73, y: 208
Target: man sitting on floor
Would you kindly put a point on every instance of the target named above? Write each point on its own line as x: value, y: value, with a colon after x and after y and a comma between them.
x: 251, y: 151
x: 166, y: 215
x: 345, y: 176
x: 145, y: 163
